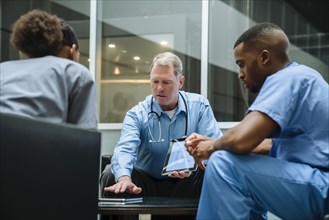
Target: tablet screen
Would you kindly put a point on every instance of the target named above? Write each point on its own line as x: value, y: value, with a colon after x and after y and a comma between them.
x: 178, y: 158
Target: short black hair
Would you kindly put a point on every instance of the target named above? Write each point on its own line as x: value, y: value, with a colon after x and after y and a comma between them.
x: 69, y: 36
x: 255, y: 31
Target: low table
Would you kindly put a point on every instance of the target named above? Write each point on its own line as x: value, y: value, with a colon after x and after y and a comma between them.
x: 153, y: 206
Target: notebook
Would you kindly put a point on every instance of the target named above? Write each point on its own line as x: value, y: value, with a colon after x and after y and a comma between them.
x: 47, y: 171
x: 103, y: 202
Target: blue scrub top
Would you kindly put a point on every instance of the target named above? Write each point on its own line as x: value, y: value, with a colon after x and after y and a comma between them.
x: 297, y: 98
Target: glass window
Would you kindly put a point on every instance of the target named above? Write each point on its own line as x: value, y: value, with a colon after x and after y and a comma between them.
x: 227, y: 97
x: 227, y: 20
x: 131, y: 34
x: 74, y: 12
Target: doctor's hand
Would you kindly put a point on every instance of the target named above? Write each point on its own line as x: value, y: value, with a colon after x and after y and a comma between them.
x: 200, y: 147
x: 180, y: 174
x: 124, y: 185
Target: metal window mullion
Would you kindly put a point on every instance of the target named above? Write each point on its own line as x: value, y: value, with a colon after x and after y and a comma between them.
x: 93, y: 50
x: 204, y: 47
x: 92, y: 38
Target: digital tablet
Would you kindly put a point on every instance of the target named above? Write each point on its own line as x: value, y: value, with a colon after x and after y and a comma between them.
x: 178, y: 158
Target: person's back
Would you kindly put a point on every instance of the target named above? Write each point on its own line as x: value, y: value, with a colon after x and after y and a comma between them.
x: 49, y: 83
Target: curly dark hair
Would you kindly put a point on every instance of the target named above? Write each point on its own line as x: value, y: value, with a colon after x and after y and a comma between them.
x: 39, y: 34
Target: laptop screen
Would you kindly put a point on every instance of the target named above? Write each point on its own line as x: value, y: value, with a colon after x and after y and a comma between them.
x: 47, y: 170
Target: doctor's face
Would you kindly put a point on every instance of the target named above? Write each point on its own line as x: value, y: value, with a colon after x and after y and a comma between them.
x: 165, y: 86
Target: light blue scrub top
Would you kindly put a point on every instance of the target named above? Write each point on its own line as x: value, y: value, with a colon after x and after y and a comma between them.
x: 134, y: 147
x: 301, y: 108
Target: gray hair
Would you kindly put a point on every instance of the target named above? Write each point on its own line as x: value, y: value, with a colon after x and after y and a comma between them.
x: 169, y: 59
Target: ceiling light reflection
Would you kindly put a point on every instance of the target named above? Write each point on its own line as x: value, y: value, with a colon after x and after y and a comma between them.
x: 164, y: 43
x: 116, y: 70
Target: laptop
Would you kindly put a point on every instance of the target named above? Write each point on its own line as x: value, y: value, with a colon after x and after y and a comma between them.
x: 47, y: 171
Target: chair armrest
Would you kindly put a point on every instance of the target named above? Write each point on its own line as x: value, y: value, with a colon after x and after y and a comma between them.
x: 106, y: 159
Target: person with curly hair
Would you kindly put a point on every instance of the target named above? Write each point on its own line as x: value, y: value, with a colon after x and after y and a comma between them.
x: 48, y: 82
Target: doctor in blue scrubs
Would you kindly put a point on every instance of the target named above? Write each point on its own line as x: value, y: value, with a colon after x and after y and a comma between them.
x: 292, y: 108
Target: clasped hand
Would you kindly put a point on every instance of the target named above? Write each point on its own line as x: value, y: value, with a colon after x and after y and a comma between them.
x: 200, y: 148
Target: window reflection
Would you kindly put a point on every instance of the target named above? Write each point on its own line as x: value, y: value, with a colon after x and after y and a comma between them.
x: 133, y: 32
x: 227, y: 20
x: 76, y: 13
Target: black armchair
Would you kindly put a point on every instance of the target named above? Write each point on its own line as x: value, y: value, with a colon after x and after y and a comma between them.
x: 106, y: 159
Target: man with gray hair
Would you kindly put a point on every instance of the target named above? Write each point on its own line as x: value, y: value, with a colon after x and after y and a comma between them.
x: 147, y: 130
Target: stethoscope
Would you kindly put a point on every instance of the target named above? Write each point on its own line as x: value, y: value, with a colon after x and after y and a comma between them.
x: 160, y: 139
